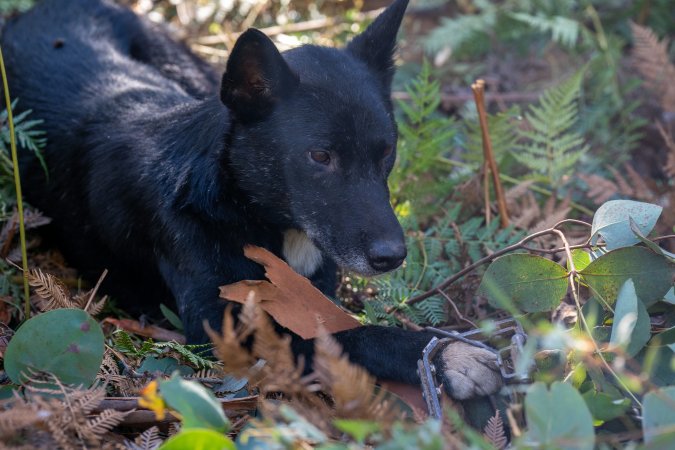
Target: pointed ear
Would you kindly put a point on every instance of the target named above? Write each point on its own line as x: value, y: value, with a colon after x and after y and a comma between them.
x: 377, y: 44
x: 256, y: 78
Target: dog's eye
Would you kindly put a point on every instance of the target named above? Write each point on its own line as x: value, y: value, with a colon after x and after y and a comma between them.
x: 388, y: 150
x: 320, y: 156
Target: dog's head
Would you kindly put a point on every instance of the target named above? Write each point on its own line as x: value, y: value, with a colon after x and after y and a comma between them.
x: 314, y: 140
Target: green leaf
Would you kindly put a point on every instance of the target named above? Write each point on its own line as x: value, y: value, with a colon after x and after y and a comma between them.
x: 558, y: 418
x: 631, y: 328
x: 658, y: 418
x: 67, y: 343
x: 581, y: 259
x: 171, y: 316
x: 612, y: 222
x: 651, y: 273
x: 198, y: 439
x: 670, y: 296
x: 603, y: 407
x: 357, y: 429
x: 529, y: 282
x: 198, y: 407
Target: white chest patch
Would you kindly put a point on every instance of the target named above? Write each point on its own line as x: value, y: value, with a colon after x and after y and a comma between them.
x: 300, y: 253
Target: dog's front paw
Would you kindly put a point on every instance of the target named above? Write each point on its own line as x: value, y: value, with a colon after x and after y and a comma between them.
x: 467, y: 371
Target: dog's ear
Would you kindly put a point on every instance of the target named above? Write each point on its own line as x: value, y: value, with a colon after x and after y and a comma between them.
x: 256, y: 77
x: 377, y: 44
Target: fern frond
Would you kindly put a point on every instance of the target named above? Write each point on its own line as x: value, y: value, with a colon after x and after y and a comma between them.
x: 551, y: 147
x: 147, y: 440
x: 494, y: 432
x: 564, y: 30
x: 50, y: 289
x: 104, y: 422
x: 456, y: 32
x: 651, y: 59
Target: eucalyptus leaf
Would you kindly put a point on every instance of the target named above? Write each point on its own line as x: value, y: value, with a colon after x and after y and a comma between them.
x: 670, y: 296
x: 67, y: 343
x: 651, y: 274
x: 612, y: 222
x: 631, y: 328
x: 625, y: 314
x: 603, y: 407
x: 581, y: 259
x: 197, y: 406
x: 528, y: 282
x: 557, y: 418
x: 658, y: 418
x: 198, y: 439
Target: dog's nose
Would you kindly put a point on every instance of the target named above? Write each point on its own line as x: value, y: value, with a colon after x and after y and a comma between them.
x: 386, y: 255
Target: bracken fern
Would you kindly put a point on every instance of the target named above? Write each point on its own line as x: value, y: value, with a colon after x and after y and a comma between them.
x: 551, y: 147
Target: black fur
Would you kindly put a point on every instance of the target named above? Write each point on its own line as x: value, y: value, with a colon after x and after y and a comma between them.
x: 162, y: 174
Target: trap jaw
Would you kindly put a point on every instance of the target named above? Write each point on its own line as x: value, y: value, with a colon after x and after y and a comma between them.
x: 507, y: 358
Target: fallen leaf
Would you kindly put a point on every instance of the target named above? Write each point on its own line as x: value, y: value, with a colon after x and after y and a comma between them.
x: 289, y: 298
x: 296, y: 304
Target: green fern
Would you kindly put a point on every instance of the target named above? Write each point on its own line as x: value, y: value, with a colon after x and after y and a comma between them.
x: 434, y: 255
x: 564, y: 30
x: 425, y: 135
x: 28, y: 137
x: 457, y: 32
x: 552, y: 148
x: 195, y: 355
x: 503, y: 135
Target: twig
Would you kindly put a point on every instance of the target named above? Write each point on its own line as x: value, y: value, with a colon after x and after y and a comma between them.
x: 448, y: 281
x: 17, y: 184
x: 454, y: 306
x: 95, y: 290
x: 478, y: 89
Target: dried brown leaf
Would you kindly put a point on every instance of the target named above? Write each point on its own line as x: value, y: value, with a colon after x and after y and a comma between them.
x: 289, y: 297
x: 352, y: 388
x: 494, y: 432
x: 105, y: 421
x: 600, y: 188
x: 147, y: 440
x: 670, y: 145
x: 51, y: 290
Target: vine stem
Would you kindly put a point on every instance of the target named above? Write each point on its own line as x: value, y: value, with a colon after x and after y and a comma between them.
x: 573, y: 276
x: 518, y: 245
x: 17, y: 185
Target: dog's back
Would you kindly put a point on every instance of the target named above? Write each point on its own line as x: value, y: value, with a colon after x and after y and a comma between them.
x: 86, y: 68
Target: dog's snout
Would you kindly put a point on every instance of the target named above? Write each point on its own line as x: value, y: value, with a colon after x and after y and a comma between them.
x: 386, y: 255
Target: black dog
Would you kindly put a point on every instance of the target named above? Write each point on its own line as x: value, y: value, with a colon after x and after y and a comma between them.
x: 155, y: 176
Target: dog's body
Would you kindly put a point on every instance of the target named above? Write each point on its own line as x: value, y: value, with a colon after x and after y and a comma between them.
x: 156, y: 178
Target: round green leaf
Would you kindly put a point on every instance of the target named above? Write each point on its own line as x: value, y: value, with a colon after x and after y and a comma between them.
x: 198, y: 439
x: 529, y: 282
x: 558, y: 418
x: 198, y: 407
x: 651, y: 273
x: 612, y: 222
x: 658, y: 418
x: 67, y: 343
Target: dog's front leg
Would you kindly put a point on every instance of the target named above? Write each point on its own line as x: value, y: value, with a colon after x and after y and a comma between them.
x: 392, y: 353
